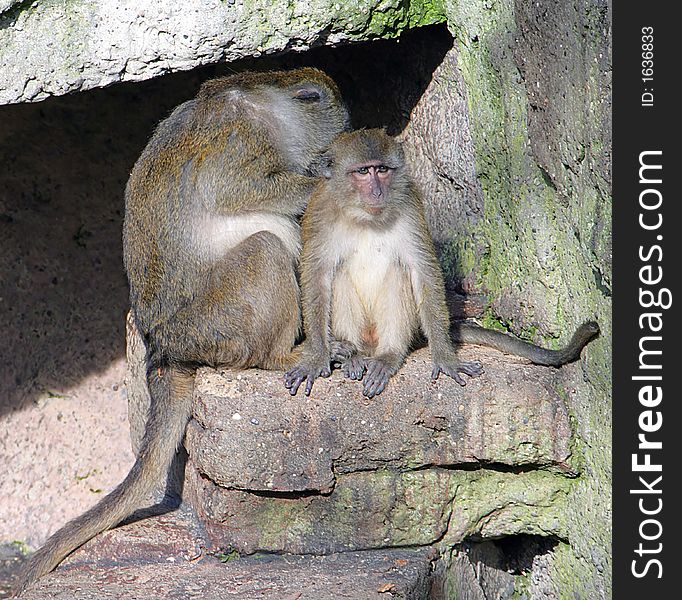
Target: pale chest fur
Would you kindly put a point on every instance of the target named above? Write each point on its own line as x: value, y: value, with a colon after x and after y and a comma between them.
x: 368, y: 257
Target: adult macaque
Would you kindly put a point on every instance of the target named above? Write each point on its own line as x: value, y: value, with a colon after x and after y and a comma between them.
x: 370, y: 277
x: 210, y: 244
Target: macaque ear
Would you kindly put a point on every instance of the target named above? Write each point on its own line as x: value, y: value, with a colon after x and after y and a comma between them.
x: 398, y: 139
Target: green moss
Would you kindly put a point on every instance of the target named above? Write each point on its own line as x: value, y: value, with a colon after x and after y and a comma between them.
x: 276, y: 517
x: 359, y: 19
x: 577, y: 446
x: 492, y: 503
x: 390, y: 20
x: 498, y: 116
x: 571, y: 578
x: 21, y: 547
x: 10, y: 16
x: 458, y: 258
x: 386, y: 509
x: 528, y: 333
x: 531, y: 243
x: 227, y: 555
x: 521, y: 586
x: 490, y: 320
x: 548, y: 234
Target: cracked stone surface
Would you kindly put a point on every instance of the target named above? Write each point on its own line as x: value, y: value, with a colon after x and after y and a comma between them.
x: 51, y: 48
x: 249, y: 433
x: 165, y: 557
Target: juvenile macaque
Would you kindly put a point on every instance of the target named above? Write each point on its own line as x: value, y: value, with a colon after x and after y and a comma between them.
x: 210, y: 243
x: 370, y: 277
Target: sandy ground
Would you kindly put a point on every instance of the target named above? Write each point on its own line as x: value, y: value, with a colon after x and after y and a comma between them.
x: 63, y: 296
x: 64, y: 437
x: 64, y: 163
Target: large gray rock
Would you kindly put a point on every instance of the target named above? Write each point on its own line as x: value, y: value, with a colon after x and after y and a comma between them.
x: 423, y: 463
x: 52, y: 48
x: 383, y: 509
x: 538, y: 82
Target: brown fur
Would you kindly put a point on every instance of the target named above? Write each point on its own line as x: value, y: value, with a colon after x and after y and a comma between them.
x: 368, y: 258
x: 210, y: 247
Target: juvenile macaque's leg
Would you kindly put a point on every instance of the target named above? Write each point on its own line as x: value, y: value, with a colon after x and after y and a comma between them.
x: 396, y: 321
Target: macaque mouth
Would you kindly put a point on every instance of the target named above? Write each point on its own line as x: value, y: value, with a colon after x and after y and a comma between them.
x: 375, y: 198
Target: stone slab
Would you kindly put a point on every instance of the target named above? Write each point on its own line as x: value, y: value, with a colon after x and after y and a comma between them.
x: 383, y: 509
x: 135, y: 562
x: 248, y: 433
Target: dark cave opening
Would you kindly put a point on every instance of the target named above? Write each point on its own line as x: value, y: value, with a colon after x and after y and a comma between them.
x: 66, y: 161
x: 502, y: 567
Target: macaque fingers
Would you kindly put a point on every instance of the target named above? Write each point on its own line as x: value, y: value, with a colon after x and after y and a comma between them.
x: 377, y: 377
x: 354, y: 367
x: 307, y: 372
x: 341, y: 351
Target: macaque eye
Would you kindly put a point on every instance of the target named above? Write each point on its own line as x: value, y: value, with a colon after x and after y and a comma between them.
x: 382, y: 169
x: 307, y: 95
x: 362, y: 170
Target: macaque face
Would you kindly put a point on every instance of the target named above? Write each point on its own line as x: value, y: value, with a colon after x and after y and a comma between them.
x: 372, y: 181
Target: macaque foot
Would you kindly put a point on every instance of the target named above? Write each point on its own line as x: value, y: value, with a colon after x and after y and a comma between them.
x: 472, y: 368
x: 354, y: 367
x: 341, y: 351
x: 305, y: 371
x: 377, y: 376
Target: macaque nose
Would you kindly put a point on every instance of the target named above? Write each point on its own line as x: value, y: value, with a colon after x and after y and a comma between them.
x: 375, y: 186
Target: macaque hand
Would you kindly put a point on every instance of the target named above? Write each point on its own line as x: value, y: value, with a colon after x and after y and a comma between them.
x: 307, y: 370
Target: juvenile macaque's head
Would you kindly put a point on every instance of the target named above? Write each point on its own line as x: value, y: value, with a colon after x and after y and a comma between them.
x: 369, y: 165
